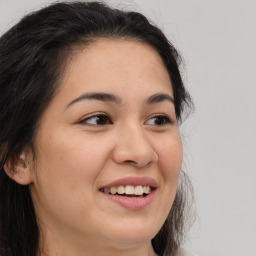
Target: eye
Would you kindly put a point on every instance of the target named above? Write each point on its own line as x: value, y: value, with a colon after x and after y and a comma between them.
x: 159, y: 120
x: 98, y: 119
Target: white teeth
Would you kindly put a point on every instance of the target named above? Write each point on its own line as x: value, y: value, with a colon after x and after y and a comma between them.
x: 120, y: 190
x: 113, y: 190
x: 128, y: 190
x: 146, y: 189
x: 138, y: 190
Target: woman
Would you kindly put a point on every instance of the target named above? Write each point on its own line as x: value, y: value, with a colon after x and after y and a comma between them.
x: 91, y: 154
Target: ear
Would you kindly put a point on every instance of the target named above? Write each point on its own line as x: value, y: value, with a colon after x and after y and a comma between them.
x: 20, y: 168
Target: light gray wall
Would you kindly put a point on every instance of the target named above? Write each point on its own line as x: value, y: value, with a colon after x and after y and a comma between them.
x: 218, y: 40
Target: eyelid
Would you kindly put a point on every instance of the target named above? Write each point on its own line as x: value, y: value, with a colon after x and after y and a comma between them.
x: 85, y: 120
x: 168, y: 119
x: 94, y: 115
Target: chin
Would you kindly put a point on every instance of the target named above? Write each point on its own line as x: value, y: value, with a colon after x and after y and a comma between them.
x: 134, y: 235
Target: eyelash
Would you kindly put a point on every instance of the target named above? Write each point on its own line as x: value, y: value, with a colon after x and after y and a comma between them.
x: 105, y: 118
x: 164, y: 120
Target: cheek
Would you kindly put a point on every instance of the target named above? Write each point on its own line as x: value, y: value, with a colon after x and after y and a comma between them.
x: 66, y: 174
x: 170, y: 162
x: 170, y: 158
x: 72, y: 153
x: 68, y: 165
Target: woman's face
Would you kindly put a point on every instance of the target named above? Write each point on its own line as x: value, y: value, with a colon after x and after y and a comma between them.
x: 110, y: 128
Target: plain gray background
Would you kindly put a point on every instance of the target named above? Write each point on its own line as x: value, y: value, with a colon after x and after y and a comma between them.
x: 217, y: 40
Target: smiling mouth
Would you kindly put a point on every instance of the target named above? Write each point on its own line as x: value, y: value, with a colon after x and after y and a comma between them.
x: 128, y: 191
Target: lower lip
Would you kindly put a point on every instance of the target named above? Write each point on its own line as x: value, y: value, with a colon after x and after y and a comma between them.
x: 134, y: 203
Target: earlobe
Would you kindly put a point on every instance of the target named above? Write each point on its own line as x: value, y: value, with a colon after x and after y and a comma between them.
x: 20, y: 168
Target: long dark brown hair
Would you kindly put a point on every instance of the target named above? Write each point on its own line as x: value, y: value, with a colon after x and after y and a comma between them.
x: 33, y: 54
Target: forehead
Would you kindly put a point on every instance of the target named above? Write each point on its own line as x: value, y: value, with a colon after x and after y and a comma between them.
x: 114, y: 59
x: 115, y: 66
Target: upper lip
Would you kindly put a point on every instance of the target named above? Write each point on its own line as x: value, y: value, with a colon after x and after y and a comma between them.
x: 133, y: 181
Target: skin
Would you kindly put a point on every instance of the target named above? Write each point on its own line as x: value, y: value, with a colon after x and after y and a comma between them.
x: 76, y: 155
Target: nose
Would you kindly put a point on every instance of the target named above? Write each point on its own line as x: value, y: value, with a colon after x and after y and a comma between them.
x: 134, y: 147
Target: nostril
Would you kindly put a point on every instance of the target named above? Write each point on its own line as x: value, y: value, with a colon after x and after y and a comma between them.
x: 129, y: 161
x: 139, y: 156
x: 139, y: 162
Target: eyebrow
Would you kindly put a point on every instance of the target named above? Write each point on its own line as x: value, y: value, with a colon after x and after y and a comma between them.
x: 107, y: 97
x: 159, y: 97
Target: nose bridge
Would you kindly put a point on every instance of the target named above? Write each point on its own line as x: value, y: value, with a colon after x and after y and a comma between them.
x: 134, y: 146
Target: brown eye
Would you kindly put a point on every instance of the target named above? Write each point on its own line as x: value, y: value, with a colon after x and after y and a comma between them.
x: 158, y: 120
x: 99, y: 119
